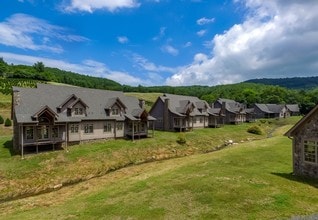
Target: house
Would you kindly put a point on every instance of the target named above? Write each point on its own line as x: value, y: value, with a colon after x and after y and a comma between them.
x: 271, y: 111
x: 293, y: 109
x: 233, y: 111
x: 51, y: 115
x: 305, y: 145
x: 216, y: 117
x: 181, y: 113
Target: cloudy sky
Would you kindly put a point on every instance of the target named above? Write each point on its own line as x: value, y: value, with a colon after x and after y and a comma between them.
x: 164, y: 42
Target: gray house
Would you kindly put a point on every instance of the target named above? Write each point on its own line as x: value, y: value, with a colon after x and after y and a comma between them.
x: 273, y: 110
x: 234, y: 112
x: 54, y: 116
x: 182, y: 113
x: 305, y: 145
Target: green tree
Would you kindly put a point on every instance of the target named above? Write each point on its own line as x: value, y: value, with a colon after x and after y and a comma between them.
x: 8, y: 122
x: 39, y: 67
x: 1, y: 120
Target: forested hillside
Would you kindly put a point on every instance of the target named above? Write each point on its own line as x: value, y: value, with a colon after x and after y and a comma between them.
x: 290, y: 83
x: 39, y: 72
x: 247, y: 92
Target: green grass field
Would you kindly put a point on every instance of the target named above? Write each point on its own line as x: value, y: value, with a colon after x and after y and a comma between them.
x: 249, y: 181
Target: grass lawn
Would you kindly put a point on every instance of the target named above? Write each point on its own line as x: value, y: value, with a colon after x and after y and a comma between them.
x: 249, y: 181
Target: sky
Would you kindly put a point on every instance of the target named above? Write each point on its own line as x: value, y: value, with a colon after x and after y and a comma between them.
x: 164, y: 42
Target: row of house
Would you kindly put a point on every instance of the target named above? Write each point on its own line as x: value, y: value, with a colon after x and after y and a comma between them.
x: 61, y: 115
x: 180, y: 113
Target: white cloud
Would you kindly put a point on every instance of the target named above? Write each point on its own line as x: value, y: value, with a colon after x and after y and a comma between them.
x: 28, y: 32
x: 170, y: 50
x: 201, y: 33
x: 87, y: 67
x: 92, y: 5
x: 204, y: 20
x: 276, y: 39
x: 188, y: 44
x: 145, y: 64
x: 123, y: 39
x: 161, y: 34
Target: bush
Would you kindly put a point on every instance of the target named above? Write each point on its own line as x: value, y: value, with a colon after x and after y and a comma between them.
x: 255, y: 130
x: 8, y: 122
x: 181, y: 139
x: 1, y: 120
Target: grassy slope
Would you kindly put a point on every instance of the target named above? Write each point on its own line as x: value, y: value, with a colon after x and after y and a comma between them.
x: 249, y: 181
x: 149, y: 98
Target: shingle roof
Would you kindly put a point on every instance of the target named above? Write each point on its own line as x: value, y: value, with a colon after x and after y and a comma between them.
x: 31, y: 100
x: 293, y: 107
x: 232, y: 105
x: 179, y: 104
x: 270, y: 108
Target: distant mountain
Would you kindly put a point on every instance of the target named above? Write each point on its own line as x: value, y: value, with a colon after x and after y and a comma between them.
x: 290, y: 83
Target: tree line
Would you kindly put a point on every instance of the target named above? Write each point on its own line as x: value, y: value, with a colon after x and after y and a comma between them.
x: 246, y: 92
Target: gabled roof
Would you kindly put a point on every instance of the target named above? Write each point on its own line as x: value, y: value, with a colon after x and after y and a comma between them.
x: 232, y: 106
x: 302, y: 122
x: 180, y: 105
x: 31, y: 100
x: 270, y: 108
x: 293, y: 107
x: 44, y: 109
x: 112, y: 101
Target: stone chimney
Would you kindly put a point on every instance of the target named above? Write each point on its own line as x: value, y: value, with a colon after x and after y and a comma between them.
x: 142, y: 103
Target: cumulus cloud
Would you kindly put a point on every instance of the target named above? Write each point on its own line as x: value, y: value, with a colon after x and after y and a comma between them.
x: 204, y: 20
x: 87, y: 67
x: 122, y: 39
x: 276, y: 39
x: 92, y: 5
x: 28, y: 32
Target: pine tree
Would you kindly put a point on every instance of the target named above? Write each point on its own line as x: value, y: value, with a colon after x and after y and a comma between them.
x: 1, y: 120
x: 8, y: 122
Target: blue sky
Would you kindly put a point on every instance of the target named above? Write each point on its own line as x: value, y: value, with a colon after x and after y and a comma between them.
x: 164, y: 42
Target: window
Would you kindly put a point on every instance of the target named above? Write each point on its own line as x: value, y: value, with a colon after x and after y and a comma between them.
x: 194, y: 120
x: 310, y: 151
x: 119, y: 126
x: 88, y: 128
x: 74, y: 128
x: 78, y: 111
x: 29, y: 133
x: 176, y: 122
x: 201, y: 120
x: 115, y: 111
x: 55, y: 132
x: 43, y: 132
x: 107, y: 127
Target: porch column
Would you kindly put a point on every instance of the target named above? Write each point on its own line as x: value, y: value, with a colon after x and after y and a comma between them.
x: 66, y: 136
x: 22, y: 138
x: 153, y: 128
x: 133, y: 131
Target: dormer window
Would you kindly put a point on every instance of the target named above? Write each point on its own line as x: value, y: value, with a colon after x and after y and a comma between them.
x: 115, y: 111
x: 78, y: 111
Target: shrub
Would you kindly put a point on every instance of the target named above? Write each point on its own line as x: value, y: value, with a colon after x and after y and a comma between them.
x: 181, y: 139
x: 255, y: 130
x: 8, y: 122
x: 1, y: 120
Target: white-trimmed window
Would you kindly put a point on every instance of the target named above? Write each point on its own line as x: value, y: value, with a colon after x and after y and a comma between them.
x: 88, y: 128
x: 108, y: 127
x: 310, y: 151
x: 115, y: 111
x: 78, y: 111
x: 74, y: 128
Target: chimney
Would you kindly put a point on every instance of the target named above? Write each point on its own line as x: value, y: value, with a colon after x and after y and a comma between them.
x: 223, y: 107
x: 142, y: 103
x: 166, y: 115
